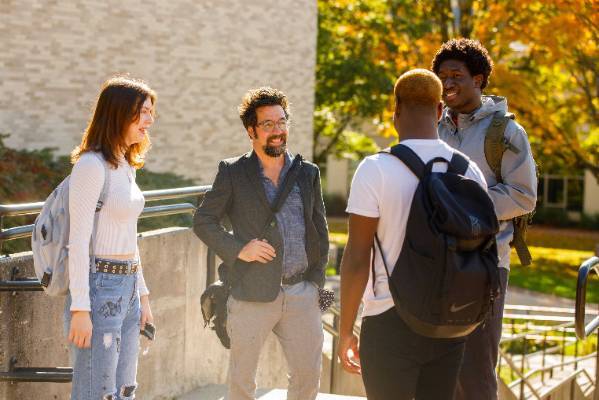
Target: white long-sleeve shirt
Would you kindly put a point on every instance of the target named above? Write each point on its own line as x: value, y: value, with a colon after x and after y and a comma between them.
x: 116, y: 233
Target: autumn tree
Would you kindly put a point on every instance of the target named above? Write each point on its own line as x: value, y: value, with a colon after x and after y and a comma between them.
x: 352, y: 73
x: 546, y: 64
x: 363, y: 45
x: 545, y: 56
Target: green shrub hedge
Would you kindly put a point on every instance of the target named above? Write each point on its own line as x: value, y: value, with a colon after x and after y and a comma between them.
x: 334, y: 204
x: 31, y: 175
x: 559, y: 218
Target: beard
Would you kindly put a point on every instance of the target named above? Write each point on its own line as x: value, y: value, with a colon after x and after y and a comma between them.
x: 275, y: 151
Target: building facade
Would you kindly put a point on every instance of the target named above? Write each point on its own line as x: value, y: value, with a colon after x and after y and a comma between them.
x: 199, y: 56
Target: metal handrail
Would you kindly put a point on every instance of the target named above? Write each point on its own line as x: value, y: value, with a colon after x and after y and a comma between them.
x: 333, y: 330
x: 582, y: 331
x: 568, y: 380
x: 37, y: 374
x: 504, y: 340
x: 19, y: 232
x: 526, y: 309
x: 553, y: 366
x: 520, y: 375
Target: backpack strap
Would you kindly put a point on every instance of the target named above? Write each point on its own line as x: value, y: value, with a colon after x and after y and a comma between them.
x: 377, y: 243
x: 409, y: 158
x: 458, y: 164
x: 100, y: 204
x: 496, y: 144
x: 415, y: 164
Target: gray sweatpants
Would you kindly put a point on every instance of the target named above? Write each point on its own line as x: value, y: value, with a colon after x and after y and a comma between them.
x: 478, y: 379
x: 295, y: 318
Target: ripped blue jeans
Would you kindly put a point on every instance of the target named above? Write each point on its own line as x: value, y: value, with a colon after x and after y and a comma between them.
x: 108, y: 370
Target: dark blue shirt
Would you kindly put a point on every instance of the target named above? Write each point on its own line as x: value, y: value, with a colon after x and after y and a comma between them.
x: 290, y: 220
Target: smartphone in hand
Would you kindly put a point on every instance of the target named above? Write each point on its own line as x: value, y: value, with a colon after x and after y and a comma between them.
x: 149, y: 331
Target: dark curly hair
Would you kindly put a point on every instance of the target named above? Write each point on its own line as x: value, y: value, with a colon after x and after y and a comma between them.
x: 470, y: 52
x: 264, y: 96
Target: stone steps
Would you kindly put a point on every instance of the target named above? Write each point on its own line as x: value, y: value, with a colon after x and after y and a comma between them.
x: 217, y: 392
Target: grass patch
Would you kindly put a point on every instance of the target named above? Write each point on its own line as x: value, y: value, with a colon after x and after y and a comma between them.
x: 557, y: 255
x: 555, y: 238
x: 553, y: 271
x: 337, y: 225
x: 340, y: 239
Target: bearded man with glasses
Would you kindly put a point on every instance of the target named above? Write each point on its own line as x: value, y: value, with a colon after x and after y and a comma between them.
x: 276, y: 253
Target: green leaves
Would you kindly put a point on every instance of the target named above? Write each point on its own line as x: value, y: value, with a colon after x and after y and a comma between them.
x: 354, y: 78
x: 545, y: 54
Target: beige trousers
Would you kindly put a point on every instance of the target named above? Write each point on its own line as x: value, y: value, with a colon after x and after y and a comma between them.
x: 295, y: 318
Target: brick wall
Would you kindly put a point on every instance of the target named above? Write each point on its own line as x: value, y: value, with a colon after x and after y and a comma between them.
x: 200, y: 57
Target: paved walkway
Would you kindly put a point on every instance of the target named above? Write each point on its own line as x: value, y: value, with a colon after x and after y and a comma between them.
x: 217, y: 392
x: 515, y: 295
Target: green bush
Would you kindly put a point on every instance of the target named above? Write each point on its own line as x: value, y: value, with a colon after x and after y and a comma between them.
x: 552, y: 216
x: 589, y: 221
x: 335, y: 204
x: 148, y: 180
x: 559, y: 218
x: 31, y: 175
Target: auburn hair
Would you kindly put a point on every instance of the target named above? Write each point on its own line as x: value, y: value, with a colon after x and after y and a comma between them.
x: 119, y: 104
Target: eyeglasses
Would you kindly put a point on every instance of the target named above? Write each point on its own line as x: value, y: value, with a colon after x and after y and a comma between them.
x: 269, y: 125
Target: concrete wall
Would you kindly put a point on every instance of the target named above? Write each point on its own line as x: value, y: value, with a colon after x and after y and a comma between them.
x: 184, y: 356
x: 200, y: 56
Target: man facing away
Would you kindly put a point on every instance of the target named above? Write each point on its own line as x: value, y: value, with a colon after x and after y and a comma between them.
x: 275, y: 268
x: 395, y: 362
x: 464, y: 66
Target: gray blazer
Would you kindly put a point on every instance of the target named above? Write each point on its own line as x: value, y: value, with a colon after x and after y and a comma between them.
x: 238, y: 194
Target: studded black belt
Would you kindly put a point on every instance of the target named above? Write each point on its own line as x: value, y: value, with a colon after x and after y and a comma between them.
x: 116, y: 266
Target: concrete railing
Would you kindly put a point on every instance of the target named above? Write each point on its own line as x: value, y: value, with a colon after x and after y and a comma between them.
x: 183, y: 357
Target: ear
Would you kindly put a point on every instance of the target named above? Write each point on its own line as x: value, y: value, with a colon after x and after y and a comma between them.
x: 478, y: 80
x: 396, y: 112
x: 251, y: 132
x: 439, y: 110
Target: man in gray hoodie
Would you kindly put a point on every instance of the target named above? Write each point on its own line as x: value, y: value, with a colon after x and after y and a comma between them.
x: 464, y: 66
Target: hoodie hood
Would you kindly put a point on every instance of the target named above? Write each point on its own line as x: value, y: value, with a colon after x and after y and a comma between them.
x: 490, y: 104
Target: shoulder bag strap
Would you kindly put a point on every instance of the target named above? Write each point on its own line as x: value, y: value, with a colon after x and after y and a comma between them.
x: 282, y: 193
x: 284, y: 190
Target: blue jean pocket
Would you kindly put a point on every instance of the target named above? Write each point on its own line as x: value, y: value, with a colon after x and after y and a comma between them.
x: 111, y: 280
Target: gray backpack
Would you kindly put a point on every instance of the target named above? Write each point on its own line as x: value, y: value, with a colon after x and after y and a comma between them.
x: 50, y: 237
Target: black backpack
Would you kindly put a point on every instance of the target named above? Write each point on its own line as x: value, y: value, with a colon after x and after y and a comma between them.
x: 446, y: 277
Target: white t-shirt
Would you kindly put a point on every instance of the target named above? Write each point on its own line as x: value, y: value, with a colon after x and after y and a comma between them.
x: 383, y: 188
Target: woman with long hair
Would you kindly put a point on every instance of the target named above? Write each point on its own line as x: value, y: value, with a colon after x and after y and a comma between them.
x: 108, y: 300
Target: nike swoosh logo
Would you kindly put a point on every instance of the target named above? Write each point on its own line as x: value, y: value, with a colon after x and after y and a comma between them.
x: 455, y: 308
